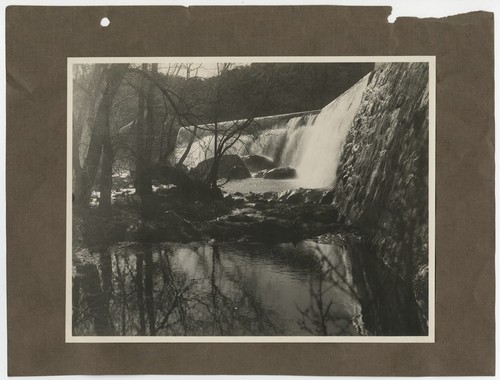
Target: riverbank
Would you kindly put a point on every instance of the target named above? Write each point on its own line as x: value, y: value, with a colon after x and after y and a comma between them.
x: 287, y: 216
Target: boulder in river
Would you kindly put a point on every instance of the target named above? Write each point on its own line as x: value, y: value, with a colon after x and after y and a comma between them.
x: 281, y: 173
x: 260, y: 174
x: 239, y: 172
x: 256, y: 163
x: 230, y: 166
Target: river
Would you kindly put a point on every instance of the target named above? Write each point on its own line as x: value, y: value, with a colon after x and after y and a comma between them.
x: 232, y: 289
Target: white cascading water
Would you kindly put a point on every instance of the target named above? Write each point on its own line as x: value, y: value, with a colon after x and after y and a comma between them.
x: 278, y: 143
x: 321, y: 143
x: 311, y: 144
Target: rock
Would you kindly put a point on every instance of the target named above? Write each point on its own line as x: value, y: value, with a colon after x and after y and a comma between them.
x: 281, y: 173
x: 226, y: 231
x: 228, y: 200
x: 230, y: 167
x: 247, y: 210
x: 238, y: 202
x: 295, y: 197
x: 219, y: 207
x: 252, y: 197
x: 260, y: 174
x: 299, y: 196
x: 171, y: 228
x: 313, y: 196
x: 188, y: 186
x: 239, y: 218
x: 268, y: 195
x: 239, y: 172
x: 326, y: 216
x: 261, y: 206
x: 378, y: 173
x: 165, y: 174
x: 327, y: 197
x: 421, y: 289
x: 281, y: 197
x: 256, y: 163
x: 175, y: 222
x: 183, y: 168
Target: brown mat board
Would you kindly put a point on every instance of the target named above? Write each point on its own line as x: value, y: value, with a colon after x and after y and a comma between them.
x: 39, y: 41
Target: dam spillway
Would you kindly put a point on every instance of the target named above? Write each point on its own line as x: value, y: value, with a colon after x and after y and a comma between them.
x: 310, y: 142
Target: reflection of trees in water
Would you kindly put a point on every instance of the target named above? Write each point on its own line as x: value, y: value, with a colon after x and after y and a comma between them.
x: 141, y: 293
x: 248, y: 312
x: 323, y: 316
x: 385, y: 303
x: 230, y: 302
x: 139, y: 289
x: 155, y: 290
x: 382, y: 303
x: 91, y: 299
x: 174, y: 298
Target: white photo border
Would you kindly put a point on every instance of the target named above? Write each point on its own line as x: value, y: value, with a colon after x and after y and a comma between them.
x: 430, y: 338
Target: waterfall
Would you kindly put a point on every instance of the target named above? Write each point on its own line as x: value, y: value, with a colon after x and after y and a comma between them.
x: 311, y: 143
x: 321, y: 143
x: 274, y: 142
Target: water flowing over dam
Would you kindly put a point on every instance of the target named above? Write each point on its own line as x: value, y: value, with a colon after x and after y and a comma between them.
x: 311, y: 142
x: 320, y: 147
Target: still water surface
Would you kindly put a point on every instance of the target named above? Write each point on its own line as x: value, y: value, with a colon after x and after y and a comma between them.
x: 261, y: 185
x: 227, y: 289
x: 238, y: 289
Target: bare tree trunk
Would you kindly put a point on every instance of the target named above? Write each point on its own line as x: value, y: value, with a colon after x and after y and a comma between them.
x: 148, y: 290
x: 107, y: 149
x: 163, y: 125
x: 140, y: 294
x: 140, y: 167
x: 83, y: 113
x: 99, y: 133
x: 106, y: 271
x: 214, y: 170
x: 214, y: 173
x: 97, y: 300
x: 151, y: 118
x: 168, y: 156
x: 146, y: 131
x: 77, y: 168
x: 123, y: 290
x: 106, y: 173
x: 89, y: 171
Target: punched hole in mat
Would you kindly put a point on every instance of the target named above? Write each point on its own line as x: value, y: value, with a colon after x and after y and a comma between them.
x: 105, y: 22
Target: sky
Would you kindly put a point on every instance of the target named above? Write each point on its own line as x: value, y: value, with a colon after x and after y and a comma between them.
x: 205, y: 70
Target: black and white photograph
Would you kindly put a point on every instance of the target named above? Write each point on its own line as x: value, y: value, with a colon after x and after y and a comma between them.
x: 250, y: 199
